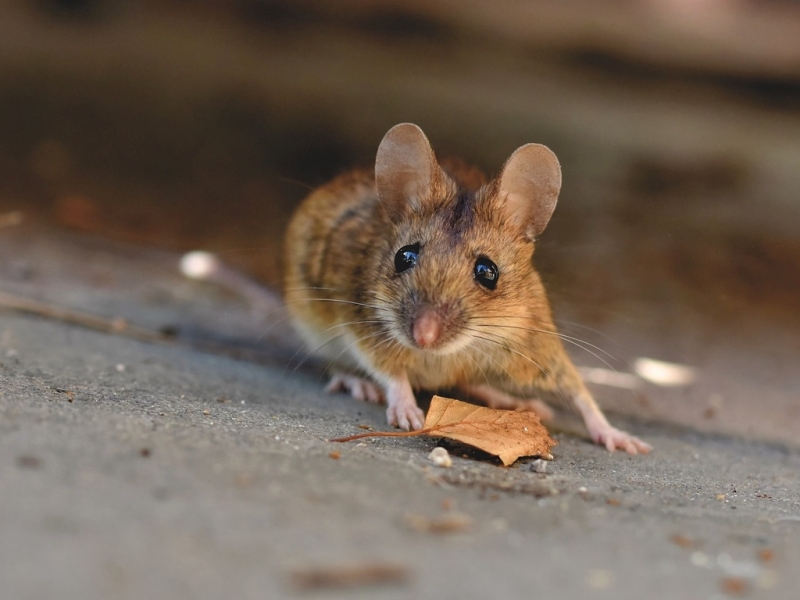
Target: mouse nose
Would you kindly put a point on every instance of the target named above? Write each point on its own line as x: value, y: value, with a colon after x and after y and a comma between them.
x: 427, y: 328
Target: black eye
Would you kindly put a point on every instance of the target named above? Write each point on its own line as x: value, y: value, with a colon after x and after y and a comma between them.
x: 406, y: 257
x: 486, y: 272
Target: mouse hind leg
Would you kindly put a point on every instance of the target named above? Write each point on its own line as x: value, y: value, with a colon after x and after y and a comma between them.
x: 495, y: 398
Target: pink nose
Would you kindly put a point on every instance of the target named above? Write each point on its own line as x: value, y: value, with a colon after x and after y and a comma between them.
x: 427, y: 328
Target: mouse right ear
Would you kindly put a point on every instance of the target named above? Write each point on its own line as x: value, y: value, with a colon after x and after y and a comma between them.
x: 405, y: 167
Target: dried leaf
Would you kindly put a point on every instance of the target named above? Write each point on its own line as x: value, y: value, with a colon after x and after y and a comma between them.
x: 346, y: 576
x: 447, y: 524
x: 508, y: 434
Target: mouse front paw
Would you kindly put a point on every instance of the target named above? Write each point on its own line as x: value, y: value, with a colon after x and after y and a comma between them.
x: 406, y: 416
x: 616, y: 439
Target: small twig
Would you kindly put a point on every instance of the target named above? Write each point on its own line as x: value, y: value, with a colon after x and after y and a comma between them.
x: 76, y: 317
x: 359, y: 436
x: 120, y: 326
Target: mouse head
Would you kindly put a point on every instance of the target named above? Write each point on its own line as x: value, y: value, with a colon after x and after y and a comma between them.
x: 408, y: 176
x: 457, y: 258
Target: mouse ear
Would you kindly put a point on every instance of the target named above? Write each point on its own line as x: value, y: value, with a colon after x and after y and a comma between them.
x: 405, y: 166
x: 529, y: 186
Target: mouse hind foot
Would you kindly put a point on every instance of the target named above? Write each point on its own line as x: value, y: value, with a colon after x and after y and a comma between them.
x: 358, y: 387
x: 604, y: 433
x: 494, y: 398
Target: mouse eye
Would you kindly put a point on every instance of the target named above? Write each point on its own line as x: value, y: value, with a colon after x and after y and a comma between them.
x: 486, y: 272
x: 406, y: 257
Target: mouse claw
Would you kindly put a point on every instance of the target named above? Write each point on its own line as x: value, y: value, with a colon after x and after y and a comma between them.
x: 405, y: 416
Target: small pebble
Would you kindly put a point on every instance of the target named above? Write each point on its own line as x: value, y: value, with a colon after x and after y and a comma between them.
x: 539, y: 466
x: 29, y: 462
x: 700, y: 559
x: 440, y: 457
x: 733, y: 585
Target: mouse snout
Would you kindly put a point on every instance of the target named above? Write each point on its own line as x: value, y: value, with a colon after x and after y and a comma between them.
x: 435, y: 326
x: 427, y: 328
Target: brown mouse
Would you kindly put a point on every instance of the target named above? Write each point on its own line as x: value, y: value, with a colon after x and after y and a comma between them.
x: 419, y: 276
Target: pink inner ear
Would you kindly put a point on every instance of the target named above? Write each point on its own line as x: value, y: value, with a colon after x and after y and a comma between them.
x: 405, y: 164
x: 530, y: 183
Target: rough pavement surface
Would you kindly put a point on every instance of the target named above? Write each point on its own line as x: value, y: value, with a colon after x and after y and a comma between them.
x: 151, y: 470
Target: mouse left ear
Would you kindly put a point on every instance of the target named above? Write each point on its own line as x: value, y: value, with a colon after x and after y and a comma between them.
x: 529, y: 185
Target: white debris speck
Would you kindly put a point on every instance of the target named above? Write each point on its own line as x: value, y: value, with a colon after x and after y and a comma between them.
x: 440, y: 457
x: 198, y: 264
x: 120, y: 368
x: 599, y: 579
x: 700, y: 559
x: 664, y: 373
x: 499, y: 524
x: 768, y: 579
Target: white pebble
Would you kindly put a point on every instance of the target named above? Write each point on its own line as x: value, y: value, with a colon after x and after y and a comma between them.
x: 198, y: 264
x: 700, y: 559
x: 440, y: 457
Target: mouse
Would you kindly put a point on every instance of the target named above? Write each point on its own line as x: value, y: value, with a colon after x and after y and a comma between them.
x: 419, y: 275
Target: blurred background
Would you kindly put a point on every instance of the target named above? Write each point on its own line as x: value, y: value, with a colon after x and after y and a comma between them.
x: 180, y: 125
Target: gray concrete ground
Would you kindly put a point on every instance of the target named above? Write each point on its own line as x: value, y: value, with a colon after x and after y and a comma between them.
x: 163, y: 470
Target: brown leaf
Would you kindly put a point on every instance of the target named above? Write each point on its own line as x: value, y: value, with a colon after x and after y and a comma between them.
x: 508, y: 434
x: 345, y: 576
x: 447, y: 524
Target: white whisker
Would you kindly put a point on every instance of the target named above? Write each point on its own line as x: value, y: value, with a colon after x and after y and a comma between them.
x: 582, y: 344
